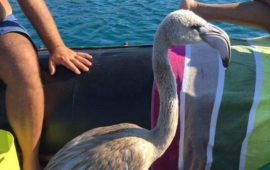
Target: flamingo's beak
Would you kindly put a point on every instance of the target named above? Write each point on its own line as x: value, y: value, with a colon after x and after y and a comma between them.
x: 219, y: 40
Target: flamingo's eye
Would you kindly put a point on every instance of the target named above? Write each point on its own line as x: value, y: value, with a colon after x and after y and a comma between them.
x: 195, y: 27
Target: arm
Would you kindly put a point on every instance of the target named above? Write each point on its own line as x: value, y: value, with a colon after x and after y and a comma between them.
x: 40, y: 17
x: 2, y: 12
x: 5, y: 9
x: 254, y: 14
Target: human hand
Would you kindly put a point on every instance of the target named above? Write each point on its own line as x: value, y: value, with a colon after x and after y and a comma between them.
x: 75, y: 61
x: 189, y: 5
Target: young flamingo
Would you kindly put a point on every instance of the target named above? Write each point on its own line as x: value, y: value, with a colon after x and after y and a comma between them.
x: 128, y: 146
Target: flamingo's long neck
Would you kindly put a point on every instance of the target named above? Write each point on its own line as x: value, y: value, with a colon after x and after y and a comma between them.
x: 165, y: 129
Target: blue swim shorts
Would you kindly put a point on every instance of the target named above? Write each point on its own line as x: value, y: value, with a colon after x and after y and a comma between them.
x: 10, y: 24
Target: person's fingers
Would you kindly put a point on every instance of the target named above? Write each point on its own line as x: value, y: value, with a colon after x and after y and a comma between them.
x: 85, y: 55
x: 83, y: 60
x: 71, y: 66
x: 80, y: 65
x: 75, y: 61
x: 52, y: 67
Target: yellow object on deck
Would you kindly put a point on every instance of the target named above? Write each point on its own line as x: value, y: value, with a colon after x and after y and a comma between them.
x: 8, y: 154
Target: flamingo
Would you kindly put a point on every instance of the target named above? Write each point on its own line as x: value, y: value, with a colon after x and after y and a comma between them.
x: 128, y: 146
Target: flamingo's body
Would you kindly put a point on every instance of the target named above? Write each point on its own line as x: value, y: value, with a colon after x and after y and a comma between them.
x: 109, y: 149
x: 128, y: 146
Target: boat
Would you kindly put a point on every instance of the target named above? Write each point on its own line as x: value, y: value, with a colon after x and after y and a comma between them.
x: 225, y: 112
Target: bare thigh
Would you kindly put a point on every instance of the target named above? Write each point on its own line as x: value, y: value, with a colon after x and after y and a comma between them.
x: 18, y: 60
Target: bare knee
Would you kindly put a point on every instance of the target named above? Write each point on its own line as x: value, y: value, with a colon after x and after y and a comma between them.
x: 19, y: 81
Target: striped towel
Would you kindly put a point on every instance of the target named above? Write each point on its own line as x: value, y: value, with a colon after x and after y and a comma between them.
x: 224, y: 120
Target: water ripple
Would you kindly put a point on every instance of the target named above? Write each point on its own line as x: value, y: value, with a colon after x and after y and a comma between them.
x: 113, y: 22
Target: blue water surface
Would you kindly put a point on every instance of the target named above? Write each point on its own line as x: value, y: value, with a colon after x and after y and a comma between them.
x: 113, y: 22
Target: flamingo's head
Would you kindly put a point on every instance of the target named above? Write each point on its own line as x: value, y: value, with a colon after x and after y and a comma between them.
x: 184, y: 27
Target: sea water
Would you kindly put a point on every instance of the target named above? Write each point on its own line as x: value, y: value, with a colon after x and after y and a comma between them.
x: 114, y: 22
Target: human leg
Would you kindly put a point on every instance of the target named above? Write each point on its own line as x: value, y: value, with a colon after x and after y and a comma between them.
x: 24, y: 94
x: 253, y: 13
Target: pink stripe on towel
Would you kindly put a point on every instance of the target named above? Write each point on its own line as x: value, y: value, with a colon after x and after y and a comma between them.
x: 169, y: 161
